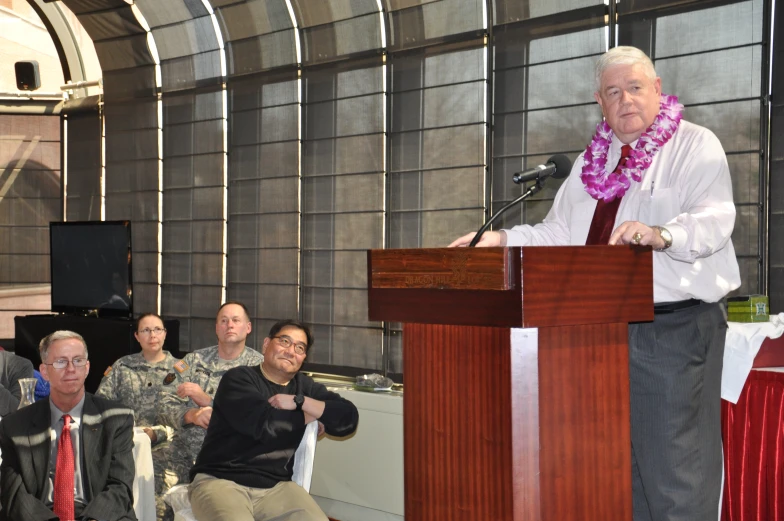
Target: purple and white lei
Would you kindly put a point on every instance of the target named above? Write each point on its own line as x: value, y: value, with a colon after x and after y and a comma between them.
x: 601, y: 184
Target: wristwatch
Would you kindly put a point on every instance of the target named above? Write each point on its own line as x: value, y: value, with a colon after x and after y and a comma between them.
x: 665, y: 235
x: 299, y: 400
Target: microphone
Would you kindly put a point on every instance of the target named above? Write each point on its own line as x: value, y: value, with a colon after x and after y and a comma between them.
x: 557, y: 166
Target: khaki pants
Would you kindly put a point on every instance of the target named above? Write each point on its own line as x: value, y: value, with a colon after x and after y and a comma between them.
x: 214, y: 499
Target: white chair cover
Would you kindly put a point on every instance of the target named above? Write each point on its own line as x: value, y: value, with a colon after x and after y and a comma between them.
x: 177, y: 496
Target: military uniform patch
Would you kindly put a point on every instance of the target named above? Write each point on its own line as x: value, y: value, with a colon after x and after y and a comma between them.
x: 181, y: 366
x: 108, y: 370
x: 169, y: 378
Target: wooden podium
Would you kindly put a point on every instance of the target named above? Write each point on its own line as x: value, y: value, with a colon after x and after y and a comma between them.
x: 503, y: 423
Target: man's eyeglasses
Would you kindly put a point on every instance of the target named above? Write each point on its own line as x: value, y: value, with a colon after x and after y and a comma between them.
x: 62, y: 363
x: 157, y: 330
x: 287, y: 342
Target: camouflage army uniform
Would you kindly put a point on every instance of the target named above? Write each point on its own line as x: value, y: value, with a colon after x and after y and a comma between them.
x: 205, y: 368
x: 136, y: 383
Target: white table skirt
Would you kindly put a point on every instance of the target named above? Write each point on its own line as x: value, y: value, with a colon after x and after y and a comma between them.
x: 742, y: 345
x: 144, y: 483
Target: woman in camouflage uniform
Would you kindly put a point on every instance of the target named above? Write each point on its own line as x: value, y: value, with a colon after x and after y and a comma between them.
x: 134, y: 380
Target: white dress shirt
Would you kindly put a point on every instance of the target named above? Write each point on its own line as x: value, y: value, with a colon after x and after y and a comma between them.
x: 687, y: 190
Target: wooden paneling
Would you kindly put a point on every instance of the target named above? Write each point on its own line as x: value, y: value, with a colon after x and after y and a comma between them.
x: 567, y: 285
x: 517, y: 425
x: 545, y: 286
x: 585, y: 450
x: 442, y: 268
x: 457, y: 427
x: 446, y: 306
x: 490, y: 299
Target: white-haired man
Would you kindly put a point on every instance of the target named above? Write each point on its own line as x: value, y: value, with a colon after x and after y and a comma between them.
x: 71, y: 456
x: 671, y: 190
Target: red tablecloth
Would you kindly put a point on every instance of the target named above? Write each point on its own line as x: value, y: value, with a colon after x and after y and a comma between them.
x: 753, y: 433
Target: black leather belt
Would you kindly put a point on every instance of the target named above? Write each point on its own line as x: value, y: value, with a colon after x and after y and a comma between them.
x: 672, y: 307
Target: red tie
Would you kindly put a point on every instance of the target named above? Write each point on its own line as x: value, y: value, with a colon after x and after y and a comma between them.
x: 604, y: 215
x: 64, y: 474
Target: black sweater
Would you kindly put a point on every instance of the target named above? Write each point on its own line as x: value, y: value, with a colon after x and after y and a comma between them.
x: 252, y: 443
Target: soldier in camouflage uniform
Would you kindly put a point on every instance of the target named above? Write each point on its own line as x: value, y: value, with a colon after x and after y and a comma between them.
x: 186, y: 396
x: 135, y: 381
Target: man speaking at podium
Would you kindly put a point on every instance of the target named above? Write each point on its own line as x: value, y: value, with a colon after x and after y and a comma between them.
x: 670, y: 190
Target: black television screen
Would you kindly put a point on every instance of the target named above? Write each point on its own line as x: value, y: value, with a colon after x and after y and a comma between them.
x: 91, y: 267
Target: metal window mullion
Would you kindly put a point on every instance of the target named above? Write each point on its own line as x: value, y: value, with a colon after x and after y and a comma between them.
x: 489, y: 100
x: 763, y: 278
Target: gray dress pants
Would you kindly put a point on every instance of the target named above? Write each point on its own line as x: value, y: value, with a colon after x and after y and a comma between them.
x: 675, y: 367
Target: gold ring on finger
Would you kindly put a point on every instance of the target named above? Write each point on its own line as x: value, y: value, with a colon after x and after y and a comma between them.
x: 636, y: 238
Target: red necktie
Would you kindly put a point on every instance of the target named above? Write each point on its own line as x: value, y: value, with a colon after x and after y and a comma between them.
x: 604, y: 215
x: 64, y: 474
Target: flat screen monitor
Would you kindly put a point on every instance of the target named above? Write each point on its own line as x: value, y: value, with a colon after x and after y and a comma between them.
x: 91, y: 268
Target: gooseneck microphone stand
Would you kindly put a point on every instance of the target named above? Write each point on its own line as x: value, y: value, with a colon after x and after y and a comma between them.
x: 528, y: 193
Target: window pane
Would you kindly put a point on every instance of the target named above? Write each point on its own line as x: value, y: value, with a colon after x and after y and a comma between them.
x: 30, y: 188
x: 342, y: 210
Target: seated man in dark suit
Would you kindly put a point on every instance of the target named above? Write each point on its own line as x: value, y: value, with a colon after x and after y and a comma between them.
x: 68, y: 457
x: 244, y: 469
x: 12, y: 369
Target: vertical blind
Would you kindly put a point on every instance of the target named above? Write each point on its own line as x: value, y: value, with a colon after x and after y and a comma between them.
x: 342, y: 209
x: 263, y: 237
x: 194, y: 206
x: 194, y: 164
x: 132, y: 188
x: 437, y: 151
x: 84, y: 152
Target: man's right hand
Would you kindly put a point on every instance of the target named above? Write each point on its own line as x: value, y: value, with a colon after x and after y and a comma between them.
x: 200, y: 416
x: 489, y: 239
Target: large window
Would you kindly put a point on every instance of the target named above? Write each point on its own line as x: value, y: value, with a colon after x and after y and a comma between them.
x: 30, y: 181
x: 289, y: 136
x: 29, y: 200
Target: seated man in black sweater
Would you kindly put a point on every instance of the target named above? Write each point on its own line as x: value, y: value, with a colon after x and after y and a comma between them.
x: 244, y: 469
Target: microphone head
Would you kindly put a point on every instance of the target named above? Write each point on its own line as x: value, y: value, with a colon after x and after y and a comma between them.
x: 563, y: 165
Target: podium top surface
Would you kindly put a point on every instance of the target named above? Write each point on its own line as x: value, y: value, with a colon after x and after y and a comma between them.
x: 512, y: 287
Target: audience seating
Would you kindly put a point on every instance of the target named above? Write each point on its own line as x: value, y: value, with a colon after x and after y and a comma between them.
x: 177, y: 496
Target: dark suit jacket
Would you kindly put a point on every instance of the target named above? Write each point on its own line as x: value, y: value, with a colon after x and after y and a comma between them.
x: 107, y: 462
